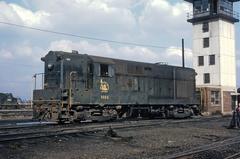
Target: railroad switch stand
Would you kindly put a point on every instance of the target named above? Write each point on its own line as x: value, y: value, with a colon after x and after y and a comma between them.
x: 111, y: 133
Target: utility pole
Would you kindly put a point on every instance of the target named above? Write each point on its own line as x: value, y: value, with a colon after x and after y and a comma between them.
x: 183, y: 54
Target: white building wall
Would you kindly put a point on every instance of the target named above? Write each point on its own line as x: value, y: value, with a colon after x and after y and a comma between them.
x: 228, y: 57
x: 222, y: 45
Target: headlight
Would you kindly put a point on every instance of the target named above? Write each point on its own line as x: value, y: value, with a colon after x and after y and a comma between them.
x: 50, y: 67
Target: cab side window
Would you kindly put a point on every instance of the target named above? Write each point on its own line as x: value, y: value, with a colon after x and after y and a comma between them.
x: 104, y: 72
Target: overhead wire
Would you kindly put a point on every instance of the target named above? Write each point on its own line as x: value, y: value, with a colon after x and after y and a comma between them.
x: 83, y: 37
x: 19, y: 64
x: 90, y: 38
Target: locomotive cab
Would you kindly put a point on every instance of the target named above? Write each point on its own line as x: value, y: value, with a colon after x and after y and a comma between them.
x: 72, y: 82
x: 62, y: 72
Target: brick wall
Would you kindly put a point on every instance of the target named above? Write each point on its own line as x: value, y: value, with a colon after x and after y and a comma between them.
x: 206, y: 104
x: 227, y: 101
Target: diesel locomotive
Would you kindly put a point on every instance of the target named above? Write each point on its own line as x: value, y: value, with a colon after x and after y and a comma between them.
x: 84, y: 87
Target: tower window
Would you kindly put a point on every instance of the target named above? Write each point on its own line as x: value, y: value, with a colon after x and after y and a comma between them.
x: 205, y: 42
x: 197, y: 5
x: 211, y: 59
x: 215, y: 6
x: 205, y: 5
x: 200, y: 60
x: 205, y: 27
x: 206, y: 78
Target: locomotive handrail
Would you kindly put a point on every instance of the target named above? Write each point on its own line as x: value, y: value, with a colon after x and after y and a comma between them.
x: 35, y: 79
x: 70, y: 89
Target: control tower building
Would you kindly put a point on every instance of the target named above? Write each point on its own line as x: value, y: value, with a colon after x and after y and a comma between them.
x: 214, y: 56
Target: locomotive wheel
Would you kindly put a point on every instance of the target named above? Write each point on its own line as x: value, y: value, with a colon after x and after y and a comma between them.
x: 167, y: 114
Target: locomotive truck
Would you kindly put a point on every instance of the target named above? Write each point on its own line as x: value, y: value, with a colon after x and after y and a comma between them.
x: 84, y: 87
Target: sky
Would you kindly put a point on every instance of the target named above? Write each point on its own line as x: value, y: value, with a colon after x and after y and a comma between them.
x: 150, y: 22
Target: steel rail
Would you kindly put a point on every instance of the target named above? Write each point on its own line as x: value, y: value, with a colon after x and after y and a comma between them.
x: 206, y: 148
x: 66, y: 131
x: 9, y: 128
x: 14, y: 126
x: 234, y: 156
x: 36, y: 133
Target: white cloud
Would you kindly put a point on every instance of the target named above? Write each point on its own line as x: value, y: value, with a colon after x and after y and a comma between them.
x: 138, y: 54
x: 161, y: 4
x: 5, y: 54
x: 97, y: 17
x: 23, y: 52
x: 7, y: 12
x: 84, y: 47
x: 14, y: 13
x: 175, y: 51
x: 30, y: 18
x: 120, y: 3
x: 170, y: 55
x: 104, y: 49
x: 110, y: 19
x: 167, y: 20
x: 104, y: 18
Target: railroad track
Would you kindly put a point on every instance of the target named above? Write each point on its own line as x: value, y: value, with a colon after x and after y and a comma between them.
x: 54, y: 124
x: 234, y: 156
x: 68, y: 131
x: 19, y: 133
x: 13, y: 127
x: 222, y: 150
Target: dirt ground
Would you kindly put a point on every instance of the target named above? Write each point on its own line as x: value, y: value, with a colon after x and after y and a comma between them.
x: 143, y: 142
